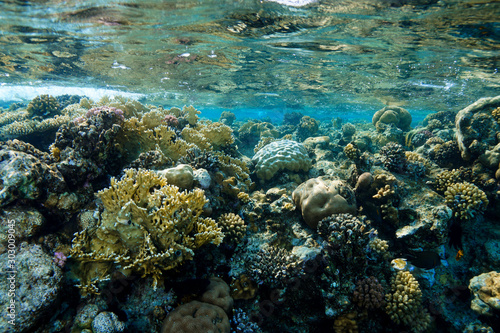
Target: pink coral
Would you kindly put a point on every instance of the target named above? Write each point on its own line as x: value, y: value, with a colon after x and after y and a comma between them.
x: 60, y: 259
x: 171, y: 120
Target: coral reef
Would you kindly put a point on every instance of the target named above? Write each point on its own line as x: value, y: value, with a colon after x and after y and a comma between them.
x: 209, y: 314
x: 318, y: 198
x: 280, y: 155
x: 476, y: 127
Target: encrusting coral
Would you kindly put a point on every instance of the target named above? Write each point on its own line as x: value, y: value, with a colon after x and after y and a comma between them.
x: 147, y: 226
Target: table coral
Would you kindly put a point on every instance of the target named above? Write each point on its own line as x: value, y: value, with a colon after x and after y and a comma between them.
x: 147, y: 226
x: 318, y: 198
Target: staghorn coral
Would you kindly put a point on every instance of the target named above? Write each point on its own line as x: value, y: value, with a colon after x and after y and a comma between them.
x: 43, y: 106
x: 466, y: 200
x: 404, y: 302
x: 233, y: 227
x: 392, y: 115
x: 369, y: 293
x: 318, y: 198
x: 147, y: 226
x: 280, y: 155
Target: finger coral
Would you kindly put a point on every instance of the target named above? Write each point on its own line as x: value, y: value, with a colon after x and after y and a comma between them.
x: 466, y: 200
x: 147, y: 226
x: 404, y: 302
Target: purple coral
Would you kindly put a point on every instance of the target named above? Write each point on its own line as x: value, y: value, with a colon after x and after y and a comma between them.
x: 97, y: 111
x: 369, y: 293
x: 171, y: 120
x: 60, y: 259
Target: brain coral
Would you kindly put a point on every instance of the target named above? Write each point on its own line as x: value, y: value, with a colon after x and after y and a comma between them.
x: 395, y: 115
x: 281, y: 155
x: 318, y: 198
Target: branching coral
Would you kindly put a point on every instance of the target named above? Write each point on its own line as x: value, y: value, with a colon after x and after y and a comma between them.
x: 147, y: 227
x: 233, y: 226
x: 369, y: 293
x: 43, y: 106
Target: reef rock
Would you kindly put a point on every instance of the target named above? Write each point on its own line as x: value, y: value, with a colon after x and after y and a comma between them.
x: 26, y: 174
x: 486, y: 291
x: 477, y: 127
x: 37, y: 282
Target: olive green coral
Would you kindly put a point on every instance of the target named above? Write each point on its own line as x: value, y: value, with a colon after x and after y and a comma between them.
x: 465, y: 199
x: 147, y: 227
x: 43, y: 106
x: 404, y: 302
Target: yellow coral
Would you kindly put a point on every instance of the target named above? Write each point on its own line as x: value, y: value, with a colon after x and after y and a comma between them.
x: 379, y: 245
x: 465, y: 199
x: 346, y: 323
x: 147, y: 226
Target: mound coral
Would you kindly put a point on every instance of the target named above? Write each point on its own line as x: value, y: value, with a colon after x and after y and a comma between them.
x: 209, y: 314
x: 394, y: 115
x: 466, y: 200
x: 147, y: 226
x: 280, y: 155
x: 318, y: 198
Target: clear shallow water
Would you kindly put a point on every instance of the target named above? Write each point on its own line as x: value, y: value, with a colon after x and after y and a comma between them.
x: 328, y: 58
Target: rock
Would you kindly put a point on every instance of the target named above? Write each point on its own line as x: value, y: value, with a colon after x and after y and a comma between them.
x: 486, y: 291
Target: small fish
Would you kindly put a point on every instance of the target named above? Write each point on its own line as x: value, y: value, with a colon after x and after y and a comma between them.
x: 459, y: 255
x: 425, y: 259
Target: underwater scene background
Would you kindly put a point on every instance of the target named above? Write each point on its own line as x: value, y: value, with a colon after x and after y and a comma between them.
x: 249, y: 166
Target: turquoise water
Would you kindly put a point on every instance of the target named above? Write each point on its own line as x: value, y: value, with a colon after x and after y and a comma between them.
x: 423, y: 55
